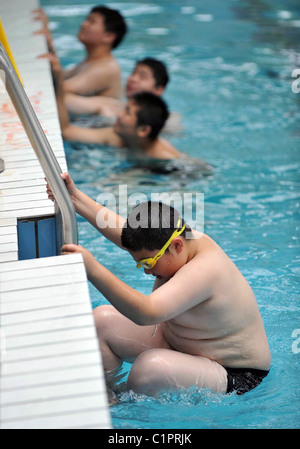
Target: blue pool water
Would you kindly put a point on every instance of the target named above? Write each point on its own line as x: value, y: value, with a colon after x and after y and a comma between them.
x: 231, y: 65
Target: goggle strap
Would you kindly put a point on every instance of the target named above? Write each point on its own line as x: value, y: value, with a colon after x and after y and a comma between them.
x: 176, y: 233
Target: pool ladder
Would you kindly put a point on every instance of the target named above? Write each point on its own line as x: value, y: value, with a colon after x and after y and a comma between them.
x: 66, y: 223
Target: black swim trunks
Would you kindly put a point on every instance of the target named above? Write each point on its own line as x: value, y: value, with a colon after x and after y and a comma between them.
x: 241, y: 380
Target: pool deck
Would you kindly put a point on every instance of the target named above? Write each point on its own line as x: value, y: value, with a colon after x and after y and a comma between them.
x: 51, y: 368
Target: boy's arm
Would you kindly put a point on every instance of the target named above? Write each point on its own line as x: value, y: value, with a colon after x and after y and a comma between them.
x: 101, y: 136
x: 89, y: 81
x: 77, y: 104
x: 68, y: 73
x: 177, y: 295
x: 39, y: 14
x: 103, y: 219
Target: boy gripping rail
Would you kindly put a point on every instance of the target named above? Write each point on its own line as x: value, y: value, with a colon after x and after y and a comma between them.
x: 99, y: 73
x: 137, y: 127
x: 149, y: 75
x: 200, y: 325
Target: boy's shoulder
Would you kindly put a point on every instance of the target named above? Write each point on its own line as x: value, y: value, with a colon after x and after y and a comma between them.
x: 163, y: 149
x: 208, y: 254
x: 109, y: 64
x: 107, y: 136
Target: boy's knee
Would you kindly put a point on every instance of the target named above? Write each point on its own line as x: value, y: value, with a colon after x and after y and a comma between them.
x: 102, y: 316
x: 103, y: 312
x: 146, y: 372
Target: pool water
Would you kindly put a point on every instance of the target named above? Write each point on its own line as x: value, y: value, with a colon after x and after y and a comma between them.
x: 231, y: 65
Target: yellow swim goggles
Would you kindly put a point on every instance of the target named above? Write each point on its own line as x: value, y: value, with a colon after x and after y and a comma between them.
x: 149, y: 262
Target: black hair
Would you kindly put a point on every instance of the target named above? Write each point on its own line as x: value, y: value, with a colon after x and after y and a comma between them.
x: 159, y: 69
x: 113, y: 21
x: 153, y: 111
x: 149, y: 226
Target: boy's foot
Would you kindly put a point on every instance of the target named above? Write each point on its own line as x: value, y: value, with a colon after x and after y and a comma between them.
x: 113, y: 393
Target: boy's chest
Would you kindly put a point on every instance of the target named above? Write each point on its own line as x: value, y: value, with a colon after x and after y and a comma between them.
x: 197, y: 322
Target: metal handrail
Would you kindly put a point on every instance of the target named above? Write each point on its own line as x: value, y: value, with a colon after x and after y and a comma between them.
x: 42, y: 149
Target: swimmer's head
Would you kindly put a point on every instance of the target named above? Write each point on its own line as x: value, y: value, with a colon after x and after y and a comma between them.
x: 150, y: 225
x: 152, y: 111
x: 149, y: 75
x: 143, y: 117
x: 103, y: 24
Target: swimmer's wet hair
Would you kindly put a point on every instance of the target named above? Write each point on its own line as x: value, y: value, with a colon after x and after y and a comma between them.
x: 150, y: 225
x: 153, y: 111
x: 159, y: 70
x: 114, y: 22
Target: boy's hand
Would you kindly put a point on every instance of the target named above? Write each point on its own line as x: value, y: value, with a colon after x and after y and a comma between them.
x: 54, y: 61
x: 88, y: 258
x: 69, y: 184
x: 41, y: 15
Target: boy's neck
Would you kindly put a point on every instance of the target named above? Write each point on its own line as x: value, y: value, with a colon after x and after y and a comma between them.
x: 145, y: 147
x: 191, y: 249
x: 149, y: 148
x: 194, y: 245
x: 98, y: 52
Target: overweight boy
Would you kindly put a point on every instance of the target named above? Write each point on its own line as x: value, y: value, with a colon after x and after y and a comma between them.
x: 200, y: 326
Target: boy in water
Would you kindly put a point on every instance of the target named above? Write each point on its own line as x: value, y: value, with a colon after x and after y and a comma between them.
x: 137, y: 127
x: 200, y: 326
x: 99, y: 73
x: 149, y: 75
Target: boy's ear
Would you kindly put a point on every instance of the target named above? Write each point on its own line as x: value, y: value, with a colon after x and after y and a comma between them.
x: 177, y: 244
x: 159, y: 90
x: 109, y: 37
x: 143, y: 131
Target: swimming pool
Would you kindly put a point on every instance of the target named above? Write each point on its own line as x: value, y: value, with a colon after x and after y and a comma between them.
x: 231, y: 67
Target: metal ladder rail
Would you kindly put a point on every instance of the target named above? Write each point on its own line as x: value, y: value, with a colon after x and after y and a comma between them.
x: 42, y: 149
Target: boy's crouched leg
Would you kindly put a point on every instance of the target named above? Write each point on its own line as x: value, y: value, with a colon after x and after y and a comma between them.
x: 104, y: 317
x: 120, y: 339
x: 158, y: 370
x: 149, y: 373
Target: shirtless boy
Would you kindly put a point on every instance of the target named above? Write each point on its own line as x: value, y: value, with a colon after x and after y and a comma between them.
x: 137, y: 127
x: 200, y: 326
x: 149, y: 75
x: 99, y: 73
